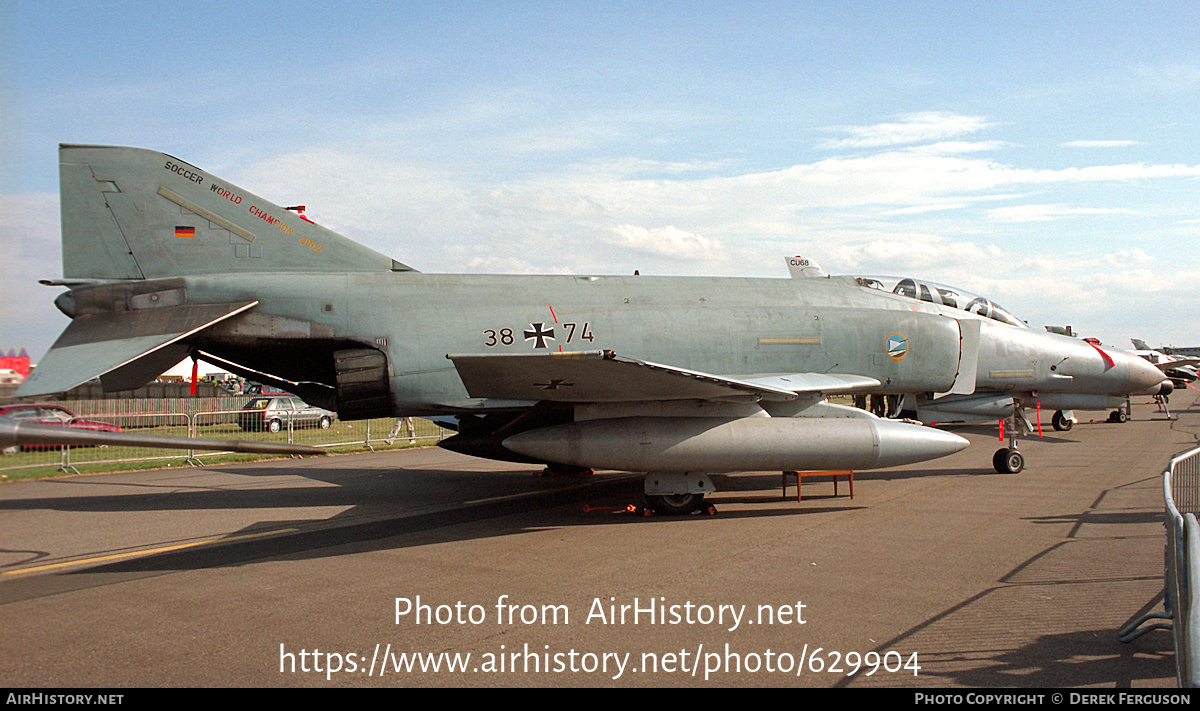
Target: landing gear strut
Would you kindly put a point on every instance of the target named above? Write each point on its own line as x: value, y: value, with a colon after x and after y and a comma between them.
x: 1121, y: 414
x: 1009, y: 460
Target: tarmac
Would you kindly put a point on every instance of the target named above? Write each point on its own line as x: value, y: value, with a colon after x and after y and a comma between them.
x: 427, y: 568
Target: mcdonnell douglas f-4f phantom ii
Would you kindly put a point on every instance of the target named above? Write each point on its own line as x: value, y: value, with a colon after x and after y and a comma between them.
x: 1014, y: 367
x: 675, y: 377
x: 1180, y: 371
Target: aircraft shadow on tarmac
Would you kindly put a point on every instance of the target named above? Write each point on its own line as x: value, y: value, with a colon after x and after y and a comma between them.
x: 1037, y: 593
x: 382, y: 514
x: 1077, y: 659
x: 389, y: 507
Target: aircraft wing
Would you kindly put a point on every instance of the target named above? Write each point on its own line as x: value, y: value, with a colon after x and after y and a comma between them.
x: 602, y: 376
x: 124, y: 348
x: 1180, y: 363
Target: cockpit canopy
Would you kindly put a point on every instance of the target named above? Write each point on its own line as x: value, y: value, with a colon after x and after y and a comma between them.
x: 950, y: 296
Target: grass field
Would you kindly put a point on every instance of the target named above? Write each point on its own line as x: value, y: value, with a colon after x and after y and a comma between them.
x: 353, y: 436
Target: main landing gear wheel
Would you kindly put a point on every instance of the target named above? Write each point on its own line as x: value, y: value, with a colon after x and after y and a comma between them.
x: 1061, y: 422
x: 1008, y: 461
x: 1118, y: 416
x: 675, y: 504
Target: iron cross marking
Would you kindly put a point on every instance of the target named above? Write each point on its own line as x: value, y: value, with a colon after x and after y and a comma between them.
x: 536, y: 331
x: 554, y: 384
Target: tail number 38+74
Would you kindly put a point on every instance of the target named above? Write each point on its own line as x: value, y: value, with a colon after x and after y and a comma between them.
x: 539, y: 335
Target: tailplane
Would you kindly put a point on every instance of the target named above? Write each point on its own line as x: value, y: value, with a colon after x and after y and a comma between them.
x: 130, y: 213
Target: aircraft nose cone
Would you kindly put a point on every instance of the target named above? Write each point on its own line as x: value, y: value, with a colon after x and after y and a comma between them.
x: 1143, y: 375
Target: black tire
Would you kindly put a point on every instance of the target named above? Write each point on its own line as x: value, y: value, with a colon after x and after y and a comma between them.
x: 274, y: 426
x: 1008, y: 461
x: 323, y: 423
x: 1014, y: 461
x: 1061, y: 423
x: 676, y: 504
x: 1119, y: 416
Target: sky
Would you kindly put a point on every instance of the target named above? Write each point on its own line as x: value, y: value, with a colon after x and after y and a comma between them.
x: 1043, y: 154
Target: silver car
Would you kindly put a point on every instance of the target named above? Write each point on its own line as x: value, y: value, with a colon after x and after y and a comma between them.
x: 273, y: 413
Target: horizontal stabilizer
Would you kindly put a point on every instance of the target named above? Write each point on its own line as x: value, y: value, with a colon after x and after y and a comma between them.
x: 14, y: 432
x: 601, y: 376
x: 126, y: 349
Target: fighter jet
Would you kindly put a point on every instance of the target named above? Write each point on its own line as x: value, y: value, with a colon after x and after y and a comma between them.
x: 1181, y: 371
x: 676, y: 377
x: 1014, y: 367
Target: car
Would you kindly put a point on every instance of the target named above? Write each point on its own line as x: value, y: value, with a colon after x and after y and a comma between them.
x: 39, y: 414
x: 274, y: 413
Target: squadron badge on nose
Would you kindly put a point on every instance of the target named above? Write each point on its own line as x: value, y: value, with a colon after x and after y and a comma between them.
x: 896, y: 347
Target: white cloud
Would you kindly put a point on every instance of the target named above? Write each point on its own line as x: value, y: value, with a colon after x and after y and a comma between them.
x: 939, y: 208
x: 1169, y: 78
x: 689, y: 212
x: 663, y: 242
x: 956, y: 147
x: 1101, y: 144
x: 911, y: 128
x: 1046, y: 213
x: 1128, y: 257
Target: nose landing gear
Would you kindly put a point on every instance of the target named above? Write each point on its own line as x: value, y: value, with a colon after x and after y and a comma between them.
x: 1009, y: 460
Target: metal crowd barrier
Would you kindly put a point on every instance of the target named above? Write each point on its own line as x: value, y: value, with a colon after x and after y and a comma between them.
x: 1181, y: 491
x: 214, y: 424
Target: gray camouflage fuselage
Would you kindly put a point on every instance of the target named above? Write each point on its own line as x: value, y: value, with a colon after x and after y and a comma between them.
x: 671, y: 374
x: 722, y: 326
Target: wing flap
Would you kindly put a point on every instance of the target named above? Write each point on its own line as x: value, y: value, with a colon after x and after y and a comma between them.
x: 602, y: 376
x: 824, y: 383
x: 126, y: 348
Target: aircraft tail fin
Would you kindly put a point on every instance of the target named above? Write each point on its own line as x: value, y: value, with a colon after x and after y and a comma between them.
x: 801, y: 268
x: 130, y: 213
